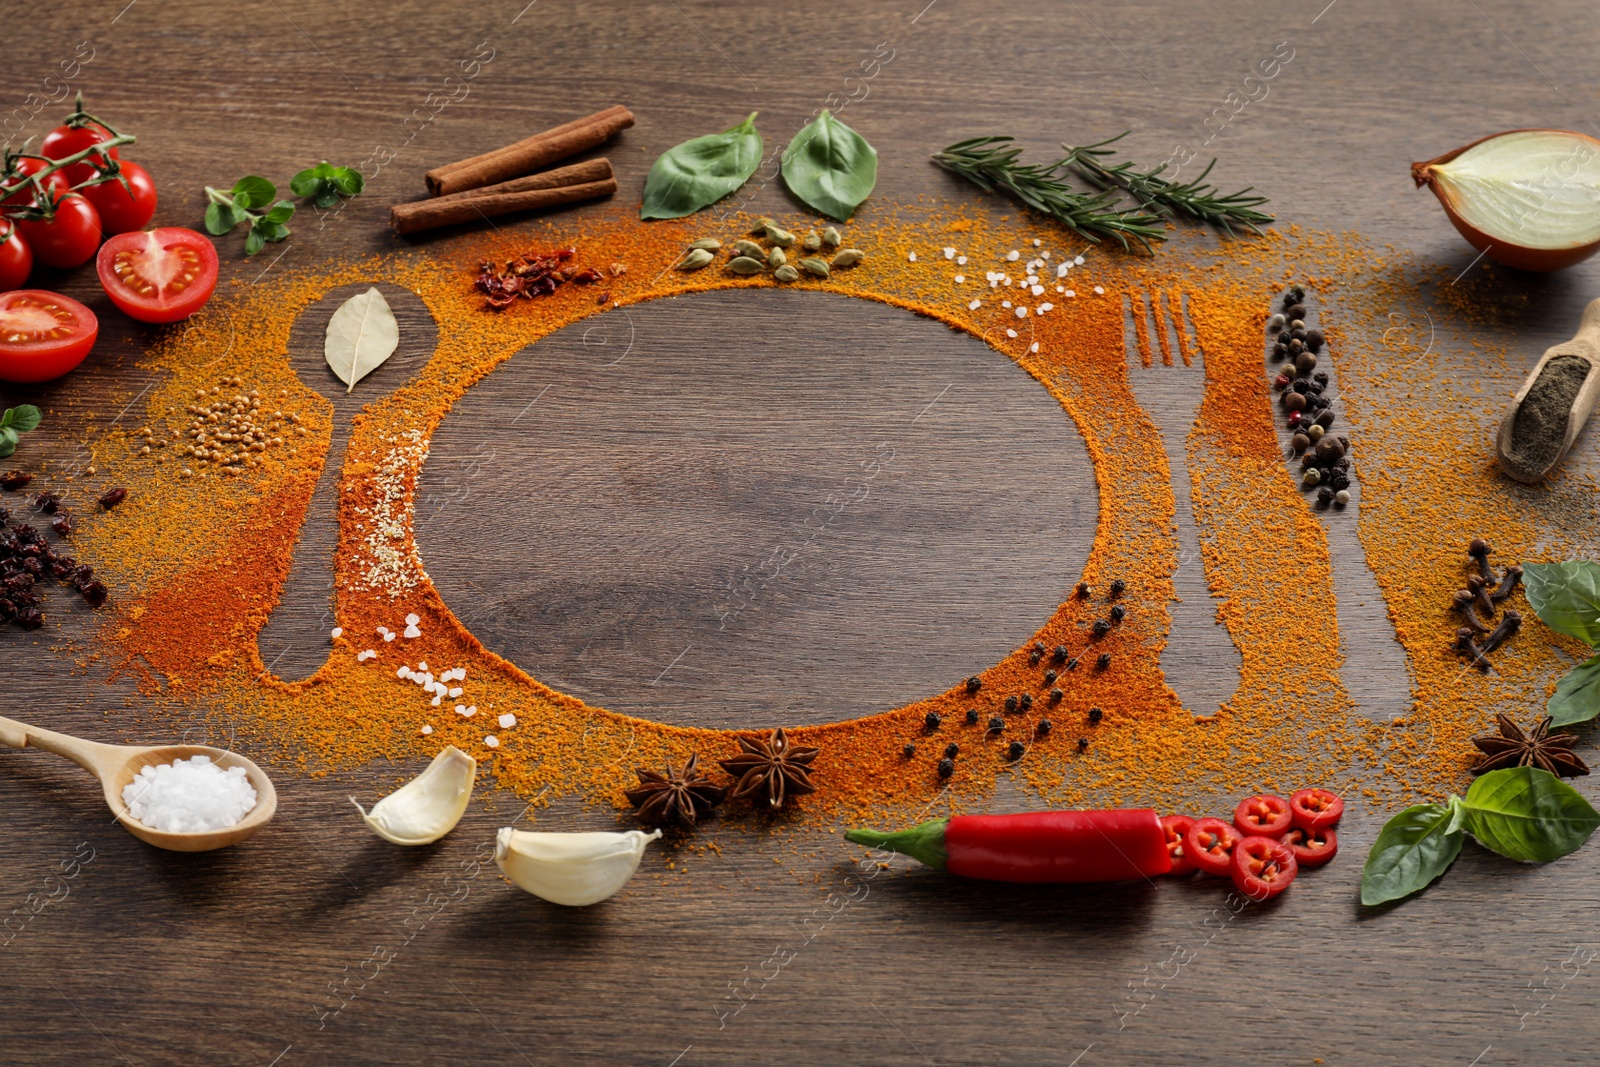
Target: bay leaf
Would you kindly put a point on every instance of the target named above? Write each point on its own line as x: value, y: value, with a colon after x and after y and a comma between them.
x: 361, y: 334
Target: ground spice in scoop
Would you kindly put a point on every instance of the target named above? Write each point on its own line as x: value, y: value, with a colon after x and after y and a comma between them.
x: 1540, y: 425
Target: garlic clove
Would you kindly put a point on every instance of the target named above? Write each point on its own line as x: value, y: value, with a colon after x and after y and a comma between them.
x: 427, y: 807
x: 1528, y: 199
x: 572, y: 869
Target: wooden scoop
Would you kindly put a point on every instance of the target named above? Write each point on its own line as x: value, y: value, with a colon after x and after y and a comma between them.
x: 116, y: 766
x: 1585, y: 345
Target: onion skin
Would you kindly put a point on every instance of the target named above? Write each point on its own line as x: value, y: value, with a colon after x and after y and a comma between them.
x: 1521, y: 257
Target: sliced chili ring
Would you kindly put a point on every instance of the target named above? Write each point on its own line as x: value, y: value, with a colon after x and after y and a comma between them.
x: 1315, y: 808
x: 1175, y: 827
x: 1262, y: 867
x: 1312, y: 848
x: 1209, y: 845
x: 1264, y: 815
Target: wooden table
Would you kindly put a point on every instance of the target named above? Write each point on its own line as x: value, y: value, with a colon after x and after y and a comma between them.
x: 240, y: 957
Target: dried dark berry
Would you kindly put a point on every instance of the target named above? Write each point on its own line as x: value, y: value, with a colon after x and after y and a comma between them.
x: 61, y: 568
x: 62, y: 525
x: 1117, y: 588
x: 1044, y: 727
x: 909, y: 751
x: 952, y: 750
x: 47, y: 502
x: 997, y: 723
x: 1038, y: 646
x: 947, y: 767
x: 1103, y: 662
x: 1294, y: 311
x: 972, y: 716
x: 1340, y: 481
x: 1027, y: 701
x: 5, y: 516
x: 1314, y: 340
x: 1083, y: 744
x: 974, y: 684
x: 29, y: 618
x: 1095, y: 715
x: 1015, y: 750
x: 932, y: 720
x: 1118, y: 613
x: 1325, y: 496
x: 1060, y: 654
x: 1011, y: 703
x: 1072, y: 664
x: 112, y: 497
x: 1101, y: 627
x: 94, y: 594
x: 1321, y: 377
x: 1049, y: 677
x: 1056, y: 695
x: 83, y: 576
x: 1034, y: 657
x: 13, y: 480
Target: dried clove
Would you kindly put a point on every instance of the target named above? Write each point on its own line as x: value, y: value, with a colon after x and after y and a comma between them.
x: 1508, y: 584
x: 1479, y: 550
x: 1464, y: 604
x: 1509, y: 625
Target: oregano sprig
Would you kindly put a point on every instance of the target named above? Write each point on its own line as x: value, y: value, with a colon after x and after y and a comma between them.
x: 1196, y: 198
x: 15, y: 422
x: 227, y: 210
x: 324, y: 183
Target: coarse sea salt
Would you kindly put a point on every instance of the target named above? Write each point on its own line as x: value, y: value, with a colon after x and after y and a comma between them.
x: 189, y: 796
x: 338, y: 632
x: 507, y: 721
x: 411, y: 633
x: 492, y: 741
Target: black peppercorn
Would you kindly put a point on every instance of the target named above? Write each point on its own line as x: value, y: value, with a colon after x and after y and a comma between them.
x: 1294, y: 311
x: 1103, y: 662
x: 972, y: 716
x: 1095, y: 715
x: 952, y: 750
x: 1060, y: 654
x: 1118, y: 613
x: 1072, y: 664
x: 932, y: 719
x: 974, y: 684
x: 1044, y: 727
x: 1034, y: 657
x: 1280, y: 351
x: 1340, y: 481
x: 1117, y: 588
x: 947, y: 767
x: 997, y: 723
x: 1015, y: 751
x: 1321, y: 377
x: 1101, y: 627
x: 1011, y: 703
x: 1049, y: 677
x: 1083, y: 744
x: 909, y: 751
x: 1056, y: 695
x: 1325, y: 496
x: 1027, y: 701
x: 1293, y: 295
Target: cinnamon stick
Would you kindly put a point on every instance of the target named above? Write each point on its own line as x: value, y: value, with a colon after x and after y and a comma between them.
x: 423, y: 215
x: 530, y: 153
x: 590, y: 170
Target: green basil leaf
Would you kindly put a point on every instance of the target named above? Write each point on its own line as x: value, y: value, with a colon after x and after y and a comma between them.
x: 254, y: 241
x: 282, y: 211
x: 23, y: 417
x: 701, y: 171
x: 1577, y: 697
x: 1567, y: 597
x: 253, y: 191
x: 1528, y: 814
x: 831, y: 167
x: 220, y: 218
x: 1414, y: 848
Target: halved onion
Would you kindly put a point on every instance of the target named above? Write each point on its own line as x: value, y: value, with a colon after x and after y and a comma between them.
x: 1527, y: 198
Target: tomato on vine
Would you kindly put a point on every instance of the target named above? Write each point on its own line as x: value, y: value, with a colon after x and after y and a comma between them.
x: 123, y: 210
x: 16, y: 258
x: 69, y: 237
x: 79, y: 132
x: 19, y: 169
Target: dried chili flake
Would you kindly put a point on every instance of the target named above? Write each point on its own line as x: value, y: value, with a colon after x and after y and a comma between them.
x: 534, y: 274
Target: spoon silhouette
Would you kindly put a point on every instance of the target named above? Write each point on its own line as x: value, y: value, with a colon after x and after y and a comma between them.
x: 116, y: 766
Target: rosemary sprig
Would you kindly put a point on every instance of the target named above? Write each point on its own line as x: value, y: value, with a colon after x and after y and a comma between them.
x: 991, y: 163
x: 1195, y: 198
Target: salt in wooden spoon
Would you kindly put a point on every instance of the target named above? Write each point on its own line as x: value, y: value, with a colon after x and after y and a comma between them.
x: 1585, y: 345
x: 116, y: 766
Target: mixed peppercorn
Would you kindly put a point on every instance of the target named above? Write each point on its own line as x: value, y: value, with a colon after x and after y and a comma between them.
x: 28, y: 559
x: 1324, y: 456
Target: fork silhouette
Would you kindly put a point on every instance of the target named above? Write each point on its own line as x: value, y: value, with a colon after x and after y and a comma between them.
x: 1166, y: 371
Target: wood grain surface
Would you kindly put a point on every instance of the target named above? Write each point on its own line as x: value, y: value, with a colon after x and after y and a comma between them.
x: 318, y: 944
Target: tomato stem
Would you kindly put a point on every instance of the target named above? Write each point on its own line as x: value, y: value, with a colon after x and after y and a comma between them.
x: 35, y: 180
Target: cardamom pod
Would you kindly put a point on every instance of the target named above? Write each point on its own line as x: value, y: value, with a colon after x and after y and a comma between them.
x: 748, y: 248
x: 786, y: 273
x: 710, y: 244
x: 781, y: 238
x: 812, y: 242
x: 848, y: 257
x: 696, y: 258
x: 763, y: 224
x: 746, y: 265
x: 831, y: 238
x: 815, y: 266
x: 776, y: 258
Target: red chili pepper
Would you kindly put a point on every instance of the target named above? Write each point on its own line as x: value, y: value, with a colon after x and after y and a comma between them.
x: 1042, y: 846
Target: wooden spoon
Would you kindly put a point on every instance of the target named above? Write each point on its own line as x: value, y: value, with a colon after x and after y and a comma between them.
x: 116, y: 766
x: 1585, y: 345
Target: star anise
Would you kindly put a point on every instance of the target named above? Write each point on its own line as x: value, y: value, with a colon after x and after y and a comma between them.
x: 1513, y: 748
x: 679, y: 796
x: 771, y: 769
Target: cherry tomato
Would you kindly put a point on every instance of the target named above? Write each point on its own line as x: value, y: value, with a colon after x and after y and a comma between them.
x: 24, y: 167
x: 68, y: 239
x: 1209, y: 844
x: 64, y: 141
x: 1263, y: 814
x: 1175, y: 827
x: 1262, y: 867
x: 43, y: 335
x: 16, y: 259
x: 1312, y: 848
x: 159, y: 275
x: 120, y: 211
x: 1315, y: 808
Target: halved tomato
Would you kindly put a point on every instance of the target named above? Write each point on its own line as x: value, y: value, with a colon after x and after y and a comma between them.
x: 160, y: 275
x: 43, y: 335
